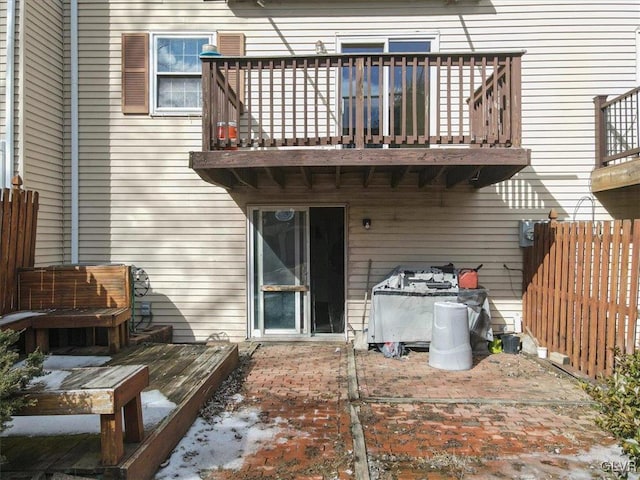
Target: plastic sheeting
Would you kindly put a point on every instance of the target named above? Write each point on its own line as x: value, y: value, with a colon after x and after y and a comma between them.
x: 402, y: 311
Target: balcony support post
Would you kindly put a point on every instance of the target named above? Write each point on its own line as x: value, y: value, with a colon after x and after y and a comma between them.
x: 207, y: 121
x: 601, y: 130
x: 516, y: 101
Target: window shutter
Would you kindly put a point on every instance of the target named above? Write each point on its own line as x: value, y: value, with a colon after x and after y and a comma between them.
x: 135, y: 73
x: 232, y: 44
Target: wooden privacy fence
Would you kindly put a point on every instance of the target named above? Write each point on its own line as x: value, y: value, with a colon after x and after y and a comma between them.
x: 581, y: 290
x: 19, y: 215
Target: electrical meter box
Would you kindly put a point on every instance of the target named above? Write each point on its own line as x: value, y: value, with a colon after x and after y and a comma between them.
x: 525, y: 232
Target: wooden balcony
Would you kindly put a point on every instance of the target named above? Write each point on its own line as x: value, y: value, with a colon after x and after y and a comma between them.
x: 617, y: 142
x: 431, y: 117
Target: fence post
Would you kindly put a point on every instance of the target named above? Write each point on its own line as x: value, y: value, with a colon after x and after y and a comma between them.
x: 550, y: 321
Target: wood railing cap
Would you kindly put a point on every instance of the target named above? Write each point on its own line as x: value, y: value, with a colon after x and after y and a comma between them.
x: 325, y: 56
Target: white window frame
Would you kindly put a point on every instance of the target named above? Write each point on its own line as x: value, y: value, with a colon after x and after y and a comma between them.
x: 153, y: 80
x: 343, y: 38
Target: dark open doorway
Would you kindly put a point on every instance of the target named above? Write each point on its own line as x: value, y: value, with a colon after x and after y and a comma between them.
x: 327, y: 269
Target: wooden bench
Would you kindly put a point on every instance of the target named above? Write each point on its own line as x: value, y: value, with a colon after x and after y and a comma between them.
x: 73, y: 296
x: 111, y: 392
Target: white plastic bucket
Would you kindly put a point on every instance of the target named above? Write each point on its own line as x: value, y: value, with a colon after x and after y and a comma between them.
x: 450, y: 347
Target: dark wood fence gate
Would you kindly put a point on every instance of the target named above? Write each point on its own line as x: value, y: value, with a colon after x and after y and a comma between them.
x: 581, y: 290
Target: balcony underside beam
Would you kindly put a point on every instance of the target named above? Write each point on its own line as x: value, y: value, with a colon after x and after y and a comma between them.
x: 478, y: 167
x: 616, y: 176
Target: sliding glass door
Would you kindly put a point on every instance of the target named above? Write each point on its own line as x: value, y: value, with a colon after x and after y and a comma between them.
x: 384, y: 92
x: 297, y: 259
x: 281, y: 283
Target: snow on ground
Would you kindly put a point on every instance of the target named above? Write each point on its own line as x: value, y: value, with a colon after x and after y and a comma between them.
x: 59, y: 362
x: 222, y: 443
x: 155, y: 406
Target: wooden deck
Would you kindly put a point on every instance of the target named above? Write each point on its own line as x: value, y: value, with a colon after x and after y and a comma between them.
x: 281, y: 121
x: 186, y: 374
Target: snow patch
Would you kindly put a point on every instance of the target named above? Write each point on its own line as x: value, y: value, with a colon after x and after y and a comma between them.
x: 222, y: 444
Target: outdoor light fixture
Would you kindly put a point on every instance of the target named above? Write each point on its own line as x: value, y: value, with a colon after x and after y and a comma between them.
x: 366, y: 223
x: 320, y: 48
x: 261, y: 3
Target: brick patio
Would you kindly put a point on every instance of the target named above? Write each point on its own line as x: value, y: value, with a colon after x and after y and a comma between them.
x: 510, y: 416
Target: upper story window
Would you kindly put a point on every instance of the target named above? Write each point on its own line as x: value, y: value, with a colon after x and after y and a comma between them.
x: 176, y: 73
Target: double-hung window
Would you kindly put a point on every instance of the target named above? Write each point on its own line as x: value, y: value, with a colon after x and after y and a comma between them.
x: 177, y: 73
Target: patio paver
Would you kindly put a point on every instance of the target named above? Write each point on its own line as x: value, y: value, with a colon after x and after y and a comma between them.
x: 303, y: 390
x: 510, y: 416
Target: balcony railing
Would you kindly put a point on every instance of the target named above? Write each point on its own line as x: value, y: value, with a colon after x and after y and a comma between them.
x: 617, y: 128
x: 362, y: 100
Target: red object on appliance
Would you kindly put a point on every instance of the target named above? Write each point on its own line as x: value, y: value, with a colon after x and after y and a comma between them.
x: 468, y: 277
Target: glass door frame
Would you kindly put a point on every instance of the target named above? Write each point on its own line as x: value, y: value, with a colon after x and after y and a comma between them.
x: 255, y: 295
x: 376, y: 39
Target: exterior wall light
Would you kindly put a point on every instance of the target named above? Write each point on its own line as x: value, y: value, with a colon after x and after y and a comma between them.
x: 366, y: 223
x: 320, y: 48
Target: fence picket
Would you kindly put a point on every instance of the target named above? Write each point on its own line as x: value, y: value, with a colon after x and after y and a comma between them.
x: 589, y: 248
x: 611, y: 310
x: 561, y: 293
x: 578, y: 358
x: 545, y: 285
x: 551, y: 285
x: 554, y: 298
x: 605, y: 254
x: 571, y: 287
x: 593, y: 299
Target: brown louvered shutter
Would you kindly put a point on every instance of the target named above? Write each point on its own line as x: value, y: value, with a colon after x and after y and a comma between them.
x: 232, y: 44
x: 135, y: 73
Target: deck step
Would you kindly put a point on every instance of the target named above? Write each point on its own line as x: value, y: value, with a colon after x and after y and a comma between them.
x: 153, y: 334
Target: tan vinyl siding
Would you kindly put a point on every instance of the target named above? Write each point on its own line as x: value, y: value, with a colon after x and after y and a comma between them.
x: 140, y: 203
x: 42, y: 128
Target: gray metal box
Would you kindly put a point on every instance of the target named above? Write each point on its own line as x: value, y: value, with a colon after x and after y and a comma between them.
x: 525, y: 232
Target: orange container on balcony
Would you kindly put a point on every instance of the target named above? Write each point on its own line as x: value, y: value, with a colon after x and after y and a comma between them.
x: 228, y: 135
